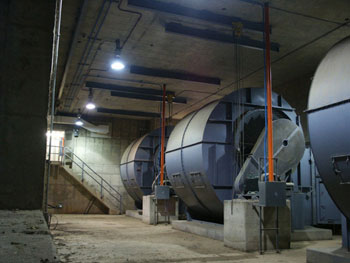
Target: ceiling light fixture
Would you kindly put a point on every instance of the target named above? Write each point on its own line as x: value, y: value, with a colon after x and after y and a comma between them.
x: 78, y: 121
x: 117, y: 63
x: 90, y: 105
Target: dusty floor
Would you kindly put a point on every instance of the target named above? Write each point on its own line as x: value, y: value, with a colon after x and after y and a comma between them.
x: 106, y: 238
x: 24, y: 237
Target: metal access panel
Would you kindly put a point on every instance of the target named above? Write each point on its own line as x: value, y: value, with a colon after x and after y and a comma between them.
x: 162, y: 192
x: 272, y: 194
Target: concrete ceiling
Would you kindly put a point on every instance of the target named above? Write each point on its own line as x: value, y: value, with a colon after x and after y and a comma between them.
x: 305, y: 30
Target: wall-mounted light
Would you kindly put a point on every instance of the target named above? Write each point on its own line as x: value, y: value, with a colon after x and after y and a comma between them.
x: 90, y: 105
x: 117, y: 63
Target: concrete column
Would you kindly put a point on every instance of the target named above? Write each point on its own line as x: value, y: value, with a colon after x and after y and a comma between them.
x: 241, y: 225
x: 25, y: 49
x: 148, y: 210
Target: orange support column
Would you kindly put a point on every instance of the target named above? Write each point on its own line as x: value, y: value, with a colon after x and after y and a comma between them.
x: 162, y: 138
x: 269, y: 92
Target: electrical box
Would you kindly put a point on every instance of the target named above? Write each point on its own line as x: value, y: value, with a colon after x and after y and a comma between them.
x: 272, y: 194
x: 162, y: 192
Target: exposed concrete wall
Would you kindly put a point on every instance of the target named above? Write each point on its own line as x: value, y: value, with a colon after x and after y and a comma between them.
x: 103, y: 153
x: 25, y: 51
x: 73, y: 197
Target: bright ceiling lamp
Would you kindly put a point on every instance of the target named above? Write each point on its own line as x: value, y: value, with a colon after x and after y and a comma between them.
x: 90, y: 105
x: 117, y: 63
x: 78, y: 121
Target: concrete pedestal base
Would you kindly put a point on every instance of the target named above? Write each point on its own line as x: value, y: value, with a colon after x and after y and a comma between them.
x: 161, y: 211
x: 327, y: 255
x: 241, y: 225
x: 311, y: 233
x: 201, y: 228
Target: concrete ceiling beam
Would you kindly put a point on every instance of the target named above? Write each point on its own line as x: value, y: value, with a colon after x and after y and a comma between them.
x: 129, y: 112
x: 217, y: 36
x: 171, y: 74
x: 205, y: 15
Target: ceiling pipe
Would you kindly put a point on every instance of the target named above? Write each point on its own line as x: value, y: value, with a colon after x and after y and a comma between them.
x: 52, y: 89
x: 76, y: 80
x: 101, y: 129
x: 71, y: 47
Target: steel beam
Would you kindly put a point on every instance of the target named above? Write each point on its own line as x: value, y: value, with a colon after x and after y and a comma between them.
x: 129, y: 112
x: 163, y: 73
x: 217, y: 36
x: 113, y: 87
x: 205, y: 15
x: 145, y: 97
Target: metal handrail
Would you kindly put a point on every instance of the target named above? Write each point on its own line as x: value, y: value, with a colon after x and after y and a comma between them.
x: 101, y: 182
x: 85, y: 164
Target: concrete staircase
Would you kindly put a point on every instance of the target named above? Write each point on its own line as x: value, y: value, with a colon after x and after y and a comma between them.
x: 89, y: 180
x: 111, y: 207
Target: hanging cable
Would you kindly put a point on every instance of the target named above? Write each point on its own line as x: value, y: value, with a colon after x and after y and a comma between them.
x: 269, y: 94
x: 237, y: 108
x: 163, y: 138
x: 78, y: 74
x: 160, y: 135
x: 265, y: 105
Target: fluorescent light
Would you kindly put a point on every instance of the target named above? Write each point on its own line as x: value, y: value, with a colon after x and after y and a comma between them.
x: 117, y: 64
x: 78, y: 122
x: 90, y: 106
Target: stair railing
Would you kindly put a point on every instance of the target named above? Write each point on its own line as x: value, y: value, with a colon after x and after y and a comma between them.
x: 86, y: 170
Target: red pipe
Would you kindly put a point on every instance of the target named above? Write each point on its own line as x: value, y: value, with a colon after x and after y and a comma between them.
x: 162, y: 138
x: 269, y: 92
